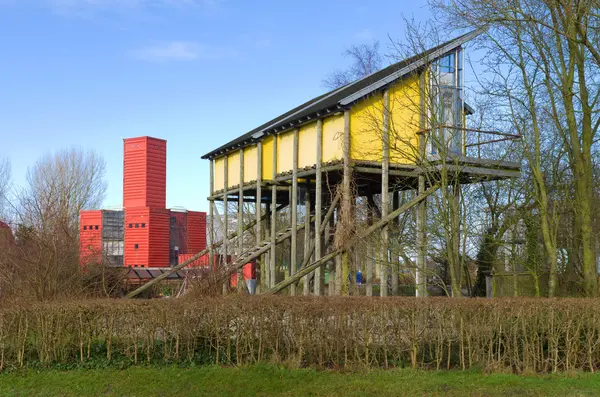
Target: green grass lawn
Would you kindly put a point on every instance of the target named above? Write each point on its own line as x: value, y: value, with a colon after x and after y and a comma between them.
x: 267, y: 380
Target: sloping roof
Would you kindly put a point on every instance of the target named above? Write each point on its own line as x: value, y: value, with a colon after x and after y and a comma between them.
x: 343, y: 96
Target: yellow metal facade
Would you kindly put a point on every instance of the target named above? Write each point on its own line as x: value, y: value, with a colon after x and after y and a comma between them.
x: 405, y: 118
x: 250, y: 163
x: 333, y: 141
x: 366, y: 129
x: 307, y: 145
x: 285, y: 148
x: 267, y: 158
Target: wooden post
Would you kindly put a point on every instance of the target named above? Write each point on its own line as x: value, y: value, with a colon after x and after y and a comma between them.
x: 420, y: 280
x: 394, y: 264
x: 225, y: 221
x: 240, y: 223
x: 273, y: 259
x: 346, y: 202
x: 455, y: 230
x: 264, y: 278
x: 211, y: 215
x: 385, y: 190
x: 307, y: 232
x: 294, y: 212
x: 330, y: 264
x: 318, y: 275
x: 370, y: 251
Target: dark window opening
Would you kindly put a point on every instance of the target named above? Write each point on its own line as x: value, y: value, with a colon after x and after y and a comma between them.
x: 143, y: 225
x: 96, y: 227
x: 137, y: 225
x: 130, y: 225
x: 85, y: 228
x: 136, y: 246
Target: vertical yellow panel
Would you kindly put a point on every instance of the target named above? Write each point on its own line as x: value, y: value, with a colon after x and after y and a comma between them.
x: 285, y: 152
x: 405, y: 118
x: 219, y: 172
x: 307, y: 145
x: 250, y: 163
x: 233, y: 168
x: 333, y: 142
x: 267, y: 158
x: 366, y: 129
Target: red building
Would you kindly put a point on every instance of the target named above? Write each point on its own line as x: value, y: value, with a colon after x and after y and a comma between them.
x: 144, y: 234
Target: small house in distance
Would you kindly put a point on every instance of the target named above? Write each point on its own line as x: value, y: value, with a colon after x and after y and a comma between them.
x: 401, y: 128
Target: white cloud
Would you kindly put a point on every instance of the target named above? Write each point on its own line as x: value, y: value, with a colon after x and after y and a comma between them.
x: 181, y: 51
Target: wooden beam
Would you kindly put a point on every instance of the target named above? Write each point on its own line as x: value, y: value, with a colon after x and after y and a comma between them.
x: 240, y: 223
x: 211, y: 215
x: 381, y: 223
x: 307, y: 239
x: 421, y: 223
x: 346, y: 201
x: 370, y: 250
x: 225, y: 221
x: 263, y: 277
x: 318, y: 275
x: 273, y: 250
x: 385, y: 201
x: 294, y: 209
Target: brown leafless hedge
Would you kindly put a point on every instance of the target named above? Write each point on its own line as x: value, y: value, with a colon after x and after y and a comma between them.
x: 523, y: 335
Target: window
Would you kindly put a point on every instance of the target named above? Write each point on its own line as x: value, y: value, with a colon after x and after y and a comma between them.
x: 143, y: 225
x: 136, y: 246
x: 85, y: 227
x: 137, y: 225
x: 130, y: 225
x: 96, y: 227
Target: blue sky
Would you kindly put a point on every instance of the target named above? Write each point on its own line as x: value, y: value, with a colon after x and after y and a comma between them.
x: 88, y: 73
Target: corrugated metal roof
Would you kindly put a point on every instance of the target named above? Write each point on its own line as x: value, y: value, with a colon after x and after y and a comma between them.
x: 340, y: 97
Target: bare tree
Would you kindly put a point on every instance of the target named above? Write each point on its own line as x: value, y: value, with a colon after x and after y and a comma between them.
x: 365, y: 59
x: 544, y: 57
x: 44, y: 262
x: 5, y: 181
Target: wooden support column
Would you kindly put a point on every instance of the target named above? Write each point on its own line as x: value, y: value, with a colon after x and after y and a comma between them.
x: 455, y: 230
x: 211, y: 216
x: 394, y: 263
x: 318, y: 275
x: 370, y: 251
x: 264, y: 278
x: 273, y: 256
x: 240, y: 223
x: 385, y: 190
x: 330, y: 264
x: 307, y: 238
x: 420, y: 280
x: 225, y: 221
x: 294, y: 213
x: 347, y: 202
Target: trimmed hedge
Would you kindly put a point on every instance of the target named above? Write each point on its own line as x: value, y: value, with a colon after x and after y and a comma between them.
x: 530, y: 335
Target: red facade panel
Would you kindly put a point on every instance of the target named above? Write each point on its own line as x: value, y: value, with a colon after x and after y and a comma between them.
x: 90, y: 237
x: 144, y: 172
x: 196, y: 231
x: 146, y: 237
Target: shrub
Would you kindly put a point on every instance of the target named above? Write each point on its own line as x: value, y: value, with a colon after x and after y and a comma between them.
x: 508, y: 334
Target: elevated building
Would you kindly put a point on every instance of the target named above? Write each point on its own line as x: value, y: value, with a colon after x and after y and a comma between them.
x: 401, y: 128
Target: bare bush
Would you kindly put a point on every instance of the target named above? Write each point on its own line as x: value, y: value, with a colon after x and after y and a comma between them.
x: 522, y: 335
